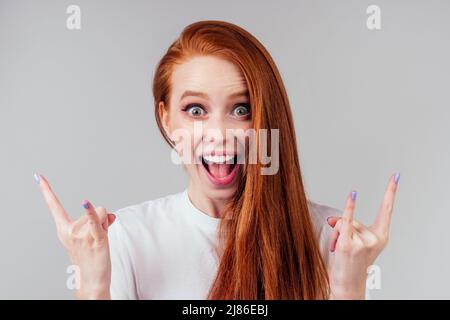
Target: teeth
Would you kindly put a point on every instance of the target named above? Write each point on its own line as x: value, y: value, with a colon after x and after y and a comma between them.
x: 218, y: 159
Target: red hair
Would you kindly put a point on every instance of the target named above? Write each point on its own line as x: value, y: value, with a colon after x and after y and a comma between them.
x: 270, y: 250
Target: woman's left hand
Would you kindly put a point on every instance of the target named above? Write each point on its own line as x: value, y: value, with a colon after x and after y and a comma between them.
x: 356, y: 246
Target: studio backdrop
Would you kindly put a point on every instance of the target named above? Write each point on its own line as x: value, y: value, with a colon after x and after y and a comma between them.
x: 368, y: 83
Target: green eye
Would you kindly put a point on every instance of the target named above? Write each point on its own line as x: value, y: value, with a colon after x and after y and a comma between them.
x: 242, y: 110
x: 195, y: 110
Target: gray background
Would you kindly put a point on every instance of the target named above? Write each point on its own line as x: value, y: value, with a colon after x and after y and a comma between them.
x: 77, y: 107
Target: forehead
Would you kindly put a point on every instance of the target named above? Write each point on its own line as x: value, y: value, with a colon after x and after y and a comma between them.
x: 212, y: 75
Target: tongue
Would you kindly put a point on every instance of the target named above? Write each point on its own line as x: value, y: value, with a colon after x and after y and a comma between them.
x: 220, y: 170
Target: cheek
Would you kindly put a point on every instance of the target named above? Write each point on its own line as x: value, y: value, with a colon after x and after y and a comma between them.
x: 191, y: 169
x: 182, y: 132
x: 176, y: 121
x: 247, y: 127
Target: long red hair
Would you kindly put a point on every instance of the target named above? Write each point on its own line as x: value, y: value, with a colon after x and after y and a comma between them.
x: 269, y: 248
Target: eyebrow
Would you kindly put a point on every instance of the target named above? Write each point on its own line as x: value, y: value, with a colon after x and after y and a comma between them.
x: 205, y: 96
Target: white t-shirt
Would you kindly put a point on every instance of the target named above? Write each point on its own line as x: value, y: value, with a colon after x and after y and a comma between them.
x: 166, y: 248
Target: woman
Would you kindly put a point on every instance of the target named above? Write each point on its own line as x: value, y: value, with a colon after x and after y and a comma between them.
x: 234, y: 233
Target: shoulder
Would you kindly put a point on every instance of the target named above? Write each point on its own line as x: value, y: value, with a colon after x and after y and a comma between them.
x: 148, y: 209
x: 139, y: 217
x: 320, y: 212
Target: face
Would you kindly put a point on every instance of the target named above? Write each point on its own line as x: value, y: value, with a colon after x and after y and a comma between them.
x: 208, y: 105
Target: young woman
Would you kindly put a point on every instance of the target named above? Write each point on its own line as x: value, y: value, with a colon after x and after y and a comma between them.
x: 234, y: 232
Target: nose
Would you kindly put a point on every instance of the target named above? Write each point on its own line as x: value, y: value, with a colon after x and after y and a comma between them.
x: 215, y: 132
x: 214, y: 126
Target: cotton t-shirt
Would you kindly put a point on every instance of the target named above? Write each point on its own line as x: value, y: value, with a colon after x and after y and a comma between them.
x: 167, y: 248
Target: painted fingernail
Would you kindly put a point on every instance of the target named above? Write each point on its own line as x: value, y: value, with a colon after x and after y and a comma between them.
x: 353, y: 195
x: 85, y: 204
x: 397, y: 177
x: 37, y: 178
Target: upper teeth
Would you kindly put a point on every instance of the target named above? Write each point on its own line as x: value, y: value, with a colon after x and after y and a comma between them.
x: 218, y: 159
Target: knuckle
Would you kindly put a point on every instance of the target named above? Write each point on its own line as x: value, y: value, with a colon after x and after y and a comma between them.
x: 346, y: 219
x: 383, y: 240
x: 345, y: 247
x: 372, y: 243
x: 358, y: 249
x: 98, y: 243
x: 359, y: 225
x: 388, y: 206
x: 372, y: 239
x: 71, y: 232
x: 100, y: 209
x: 88, y: 241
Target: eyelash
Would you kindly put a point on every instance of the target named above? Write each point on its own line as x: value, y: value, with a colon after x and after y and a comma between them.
x: 189, y: 106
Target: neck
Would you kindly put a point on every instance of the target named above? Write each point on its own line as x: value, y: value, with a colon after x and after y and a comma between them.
x: 209, y: 206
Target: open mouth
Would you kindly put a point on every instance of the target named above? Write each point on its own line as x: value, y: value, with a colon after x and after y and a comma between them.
x: 222, y: 169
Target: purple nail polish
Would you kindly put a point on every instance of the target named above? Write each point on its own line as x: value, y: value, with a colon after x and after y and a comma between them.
x: 85, y: 204
x: 37, y: 178
x: 353, y: 195
x: 397, y: 177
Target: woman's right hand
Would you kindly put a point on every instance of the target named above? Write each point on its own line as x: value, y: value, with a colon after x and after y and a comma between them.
x: 86, y: 242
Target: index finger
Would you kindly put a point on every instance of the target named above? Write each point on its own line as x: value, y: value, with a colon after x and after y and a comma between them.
x: 59, y: 214
x: 384, y: 215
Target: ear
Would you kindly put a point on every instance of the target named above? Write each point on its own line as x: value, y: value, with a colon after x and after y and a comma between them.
x: 164, y: 116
